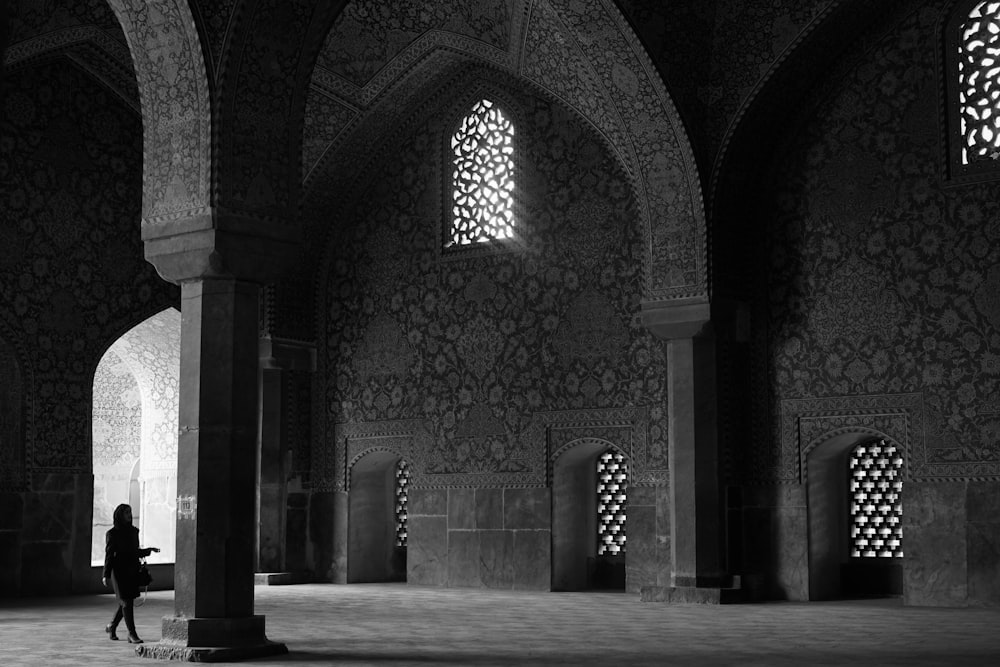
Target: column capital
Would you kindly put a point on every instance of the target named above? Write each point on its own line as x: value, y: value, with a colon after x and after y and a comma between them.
x: 671, y: 320
x: 286, y: 354
x: 220, y: 243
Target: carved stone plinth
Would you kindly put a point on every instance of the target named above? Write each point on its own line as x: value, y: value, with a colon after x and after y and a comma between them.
x: 211, y: 640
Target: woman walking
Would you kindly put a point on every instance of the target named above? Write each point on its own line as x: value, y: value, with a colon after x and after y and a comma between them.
x: 121, y: 567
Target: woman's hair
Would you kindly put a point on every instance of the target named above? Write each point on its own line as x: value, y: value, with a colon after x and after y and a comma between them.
x: 119, y: 515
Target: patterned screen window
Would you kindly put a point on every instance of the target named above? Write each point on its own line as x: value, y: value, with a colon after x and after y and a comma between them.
x: 402, y: 487
x: 483, y: 177
x: 876, y: 470
x: 612, y: 473
x: 978, y: 61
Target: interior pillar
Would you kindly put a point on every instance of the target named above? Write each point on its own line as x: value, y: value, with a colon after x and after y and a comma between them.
x: 276, y: 358
x: 694, y: 463
x: 216, y: 478
x: 269, y: 550
x: 696, y: 521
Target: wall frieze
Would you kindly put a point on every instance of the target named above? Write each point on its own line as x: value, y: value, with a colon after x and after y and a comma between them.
x: 902, y: 418
x: 547, y: 435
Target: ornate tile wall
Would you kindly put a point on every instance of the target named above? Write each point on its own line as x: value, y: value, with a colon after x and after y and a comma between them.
x: 467, y: 354
x: 71, y: 263
x: 882, y: 276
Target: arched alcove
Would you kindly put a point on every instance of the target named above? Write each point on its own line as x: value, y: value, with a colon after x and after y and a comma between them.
x: 576, y: 561
x: 833, y: 573
x: 135, y: 404
x: 376, y: 548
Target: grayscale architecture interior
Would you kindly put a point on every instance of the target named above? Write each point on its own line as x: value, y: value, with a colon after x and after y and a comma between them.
x: 520, y: 309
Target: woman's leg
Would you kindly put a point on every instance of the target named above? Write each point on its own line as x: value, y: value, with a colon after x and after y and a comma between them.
x: 129, y: 611
x: 118, y: 612
x: 113, y: 625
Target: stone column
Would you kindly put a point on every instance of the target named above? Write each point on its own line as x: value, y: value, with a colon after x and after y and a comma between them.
x: 216, y: 481
x: 270, y: 471
x: 696, y: 519
x: 219, y: 259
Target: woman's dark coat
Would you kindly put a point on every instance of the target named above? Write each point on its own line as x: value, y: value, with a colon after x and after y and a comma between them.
x: 121, y: 558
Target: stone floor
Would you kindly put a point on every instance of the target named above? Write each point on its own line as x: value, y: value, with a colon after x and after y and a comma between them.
x: 378, y: 624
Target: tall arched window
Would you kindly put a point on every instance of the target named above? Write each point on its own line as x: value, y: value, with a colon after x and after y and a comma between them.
x: 974, y: 86
x: 876, y: 509
x: 482, y: 187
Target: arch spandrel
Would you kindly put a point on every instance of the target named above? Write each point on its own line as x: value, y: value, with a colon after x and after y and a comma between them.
x: 264, y: 81
x: 653, y: 140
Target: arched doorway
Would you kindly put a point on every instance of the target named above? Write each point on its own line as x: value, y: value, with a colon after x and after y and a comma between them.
x: 854, y: 487
x: 135, y: 403
x: 377, y: 518
x: 589, y: 482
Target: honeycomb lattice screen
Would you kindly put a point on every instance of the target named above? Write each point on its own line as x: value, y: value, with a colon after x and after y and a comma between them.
x: 402, y: 487
x: 483, y: 177
x: 612, y: 475
x: 876, y: 470
x: 979, y: 82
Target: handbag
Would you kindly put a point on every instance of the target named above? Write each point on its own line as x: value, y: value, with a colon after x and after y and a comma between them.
x: 143, y: 577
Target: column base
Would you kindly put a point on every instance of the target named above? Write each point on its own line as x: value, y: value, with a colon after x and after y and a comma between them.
x: 160, y: 651
x: 690, y: 595
x: 281, y: 578
x: 211, y: 640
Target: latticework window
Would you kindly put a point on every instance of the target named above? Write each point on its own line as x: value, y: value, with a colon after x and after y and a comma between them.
x: 483, y: 177
x: 612, y: 473
x: 402, y: 487
x: 876, y: 470
x: 978, y: 64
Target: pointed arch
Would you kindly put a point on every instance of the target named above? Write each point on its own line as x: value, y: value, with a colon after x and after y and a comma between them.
x: 174, y: 93
x: 263, y: 77
x: 764, y: 117
x: 135, y: 417
x: 588, y: 515
x: 375, y: 551
x: 828, y: 503
x: 615, y: 88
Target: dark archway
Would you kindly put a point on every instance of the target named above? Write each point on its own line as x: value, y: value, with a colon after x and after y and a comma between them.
x: 578, y: 560
x: 134, y: 422
x: 835, y: 571
x: 374, y: 551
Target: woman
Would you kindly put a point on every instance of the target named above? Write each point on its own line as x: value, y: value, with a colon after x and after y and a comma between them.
x: 121, y: 566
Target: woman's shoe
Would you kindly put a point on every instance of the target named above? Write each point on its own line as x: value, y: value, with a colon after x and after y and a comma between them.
x: 134, y: 639
x: 111, y: 632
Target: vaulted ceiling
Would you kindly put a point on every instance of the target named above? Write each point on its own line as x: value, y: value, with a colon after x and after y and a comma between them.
x: 669, y: 88
x: 714, y: 56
